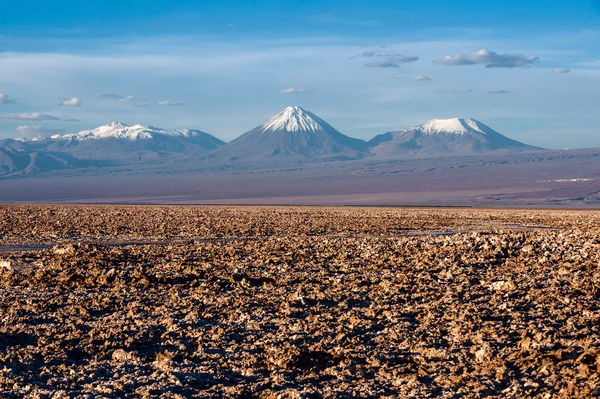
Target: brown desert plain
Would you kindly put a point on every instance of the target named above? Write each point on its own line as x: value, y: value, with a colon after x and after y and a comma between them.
x: 293, y: 302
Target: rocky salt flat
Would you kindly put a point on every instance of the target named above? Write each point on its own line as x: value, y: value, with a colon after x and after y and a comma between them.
x: 275, y: 302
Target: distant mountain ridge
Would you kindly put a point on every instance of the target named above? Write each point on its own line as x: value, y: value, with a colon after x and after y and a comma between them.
x: 293, y: 136
x: 119, y: 141
x: 26, y: 158
x: 440, y: 137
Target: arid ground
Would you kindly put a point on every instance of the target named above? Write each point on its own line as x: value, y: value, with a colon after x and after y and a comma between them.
x: 276, y: 302
x: 568, y: 179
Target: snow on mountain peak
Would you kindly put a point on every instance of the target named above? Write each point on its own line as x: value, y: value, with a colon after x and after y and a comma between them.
x: 118, y: 130
x: 293, y: 119
x: 117, y: 125
x: 451, y: 126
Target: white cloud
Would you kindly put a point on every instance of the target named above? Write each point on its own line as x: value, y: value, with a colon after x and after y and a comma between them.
x: 460, y: 59
x: 71, y: 102
x: 561, y: 70
x: 293, y: 90
x: 491, y: 59
x: 421, y: 78
x: 33, y: 131
x: 6, y: 99
x: 171, y: 103
x: 31, y: 116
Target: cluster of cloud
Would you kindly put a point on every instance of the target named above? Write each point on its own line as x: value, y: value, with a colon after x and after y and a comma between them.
x: 490, y: 59
x: 35, y: 116
x: 422, y: 78
x: 6, y: 99
x: 71, y: 102
x: 293, y: 90
x: 561, y: 70
x: 36, y: 131
x: 499, y: 91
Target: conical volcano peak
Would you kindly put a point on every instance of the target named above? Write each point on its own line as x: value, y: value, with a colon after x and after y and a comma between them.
x: 293, y: 135
x: 453, y: 125
x: 293, y: 119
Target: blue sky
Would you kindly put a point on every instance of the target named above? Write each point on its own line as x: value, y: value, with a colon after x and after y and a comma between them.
x: 365, y: 67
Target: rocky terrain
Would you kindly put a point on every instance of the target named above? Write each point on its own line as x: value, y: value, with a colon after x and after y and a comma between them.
x: 115, y: 301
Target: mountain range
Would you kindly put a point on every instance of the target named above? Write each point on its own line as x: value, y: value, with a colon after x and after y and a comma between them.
x: 293, y: 136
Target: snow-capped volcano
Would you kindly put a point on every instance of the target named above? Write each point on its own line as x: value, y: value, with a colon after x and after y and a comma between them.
x: 120, y: 141
x: 293, y: 134
x: 294, y: 119
x: 444, y: 137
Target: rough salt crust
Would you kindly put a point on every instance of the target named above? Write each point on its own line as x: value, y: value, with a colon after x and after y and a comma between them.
x: 299, y: 302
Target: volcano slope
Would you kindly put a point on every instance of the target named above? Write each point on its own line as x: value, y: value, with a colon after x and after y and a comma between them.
x: 298, y: 302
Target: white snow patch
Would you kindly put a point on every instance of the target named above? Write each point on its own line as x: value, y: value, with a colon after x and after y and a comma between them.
x: 71, y: 102
x: 450, y: 126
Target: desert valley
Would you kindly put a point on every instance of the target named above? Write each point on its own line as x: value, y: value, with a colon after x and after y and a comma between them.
x: 313, y: 199
x: 439, y: 162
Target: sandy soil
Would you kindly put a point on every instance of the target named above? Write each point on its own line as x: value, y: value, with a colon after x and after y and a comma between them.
x: 298, y: 302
